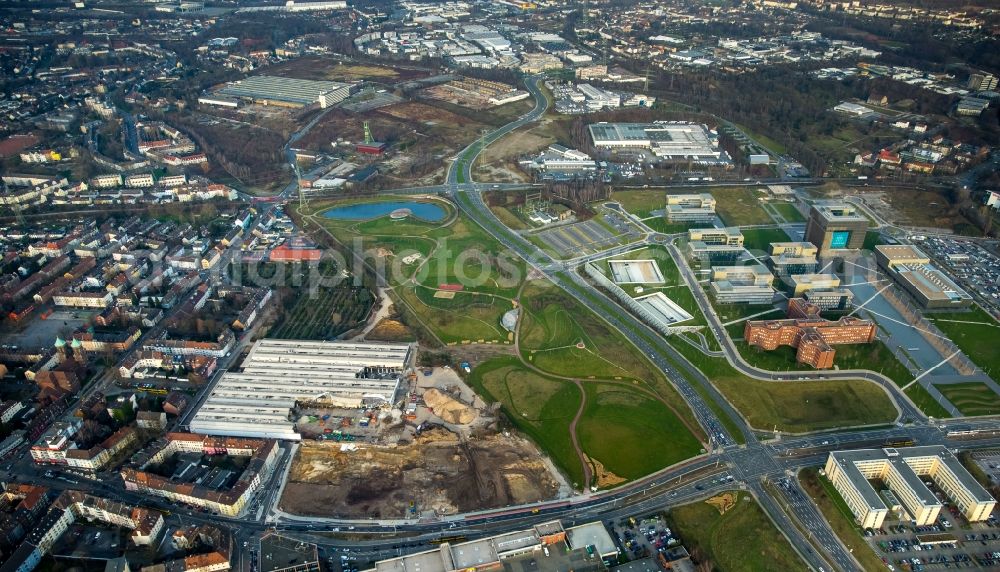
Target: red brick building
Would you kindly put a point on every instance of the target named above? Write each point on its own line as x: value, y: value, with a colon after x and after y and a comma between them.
x: 813, y: 336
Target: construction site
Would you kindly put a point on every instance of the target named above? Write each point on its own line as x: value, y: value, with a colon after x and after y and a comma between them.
x: 441, y: 453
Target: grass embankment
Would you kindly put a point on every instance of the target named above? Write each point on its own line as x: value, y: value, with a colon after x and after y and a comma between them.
x: 976, y: 333
x: 839, y: 517
x: 974, y: 398
x: 796, y: 406
x: 742, y: 539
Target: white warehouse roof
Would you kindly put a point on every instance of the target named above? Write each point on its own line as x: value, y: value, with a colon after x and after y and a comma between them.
x: 276, y: 374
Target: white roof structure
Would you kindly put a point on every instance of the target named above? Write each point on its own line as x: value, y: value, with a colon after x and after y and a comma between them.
x: 257, y: 402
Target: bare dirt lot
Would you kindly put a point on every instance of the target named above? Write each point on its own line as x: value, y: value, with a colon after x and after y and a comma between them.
x: 321, y: 68
x: 435, y: 473
x: 428, y: 115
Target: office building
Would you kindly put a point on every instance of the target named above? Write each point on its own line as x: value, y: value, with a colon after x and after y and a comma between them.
x: 799, y: 284
x: 709, y: 254
x: 698, y: 207
x: 834, y: 299
x: 789, y: 258
x: 288, y: 92
x: 912, y: 270
x: 673, y: 141
x: 904, y: 471
x: 730, y: 236
x: 277, y: 374
x: 742, y: 284
x: 836, y: 226
x: 812, y: 336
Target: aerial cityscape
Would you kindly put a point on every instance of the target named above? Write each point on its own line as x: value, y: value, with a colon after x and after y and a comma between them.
x: 499, y: 285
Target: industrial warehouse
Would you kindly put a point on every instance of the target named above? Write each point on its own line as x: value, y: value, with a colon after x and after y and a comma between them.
x: 290, y: 92
x: 667, y: 140
x: 901, y: 471
x: 279, y: 374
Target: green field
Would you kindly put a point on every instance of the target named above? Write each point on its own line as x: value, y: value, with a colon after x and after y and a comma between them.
x: 539, y: 406
x: 632, y: 435
x: 741, y: 540
x: 795, y: 406
x: 922, y: 399
x: 839, y: 517
x: 789, y: 211
x: 761, y: 238
x: 739, y: 206
x: 976, y: 333
x: 641, y: 202
x: 971, y: 398
x: 454, y: 251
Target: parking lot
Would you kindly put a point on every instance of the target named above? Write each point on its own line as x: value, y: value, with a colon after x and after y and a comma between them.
x: 975, y: 267
x: 950, y: 543
x: 590, y: 235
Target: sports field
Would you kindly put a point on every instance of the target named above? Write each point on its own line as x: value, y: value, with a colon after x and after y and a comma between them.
x: 971, y: 398
x: 742, y: 539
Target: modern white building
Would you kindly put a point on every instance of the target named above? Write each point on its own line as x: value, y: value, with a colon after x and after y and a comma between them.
x: 903, y: 471
x: 277, y: 374
x: 287, y: 91
x: 694, y: 207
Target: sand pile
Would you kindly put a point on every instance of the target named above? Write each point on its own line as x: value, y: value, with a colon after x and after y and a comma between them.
x: 449, y: 409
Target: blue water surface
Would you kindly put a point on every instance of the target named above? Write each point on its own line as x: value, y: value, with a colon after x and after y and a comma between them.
x: 364, y: 211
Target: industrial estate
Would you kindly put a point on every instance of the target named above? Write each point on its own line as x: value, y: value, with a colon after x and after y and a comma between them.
x: 401, y: 286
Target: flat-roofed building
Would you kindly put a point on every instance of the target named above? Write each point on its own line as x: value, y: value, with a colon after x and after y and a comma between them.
x: 709, y: 254
x: 286, y: 91
x: 912, y: 270
x: 903, y: 471
x: 834, y: 226
x: 834, y: 299
x: 729, y: 235
x: 802, y: 283
x: 742, y: 284
x: 698, y: 207
x: 678, y: 141
x: 789, y: 258
x: 483, y: 554
x: 811, y: 335
x: 277, y: 374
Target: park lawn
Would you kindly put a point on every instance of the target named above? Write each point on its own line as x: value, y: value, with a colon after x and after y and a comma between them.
x: 630, y: 434
x: 761, y: 238
x: 840, y: 518
x: 468, y: 317
x: 739, y: 206
x: 925, y: 402
x: 795, y: 406
x: 540, y: 407
x: 789, y: 211
x: 974, y: 398
x: 661, y: 225
x: 742, y: 540
x: 641, y: 202
x: 553, y: 323
x: 976, y: 333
